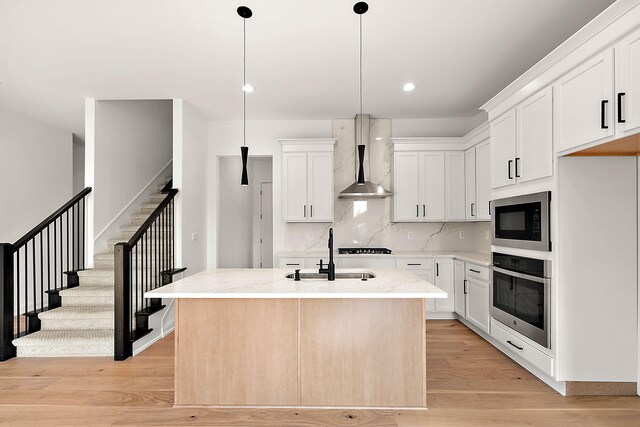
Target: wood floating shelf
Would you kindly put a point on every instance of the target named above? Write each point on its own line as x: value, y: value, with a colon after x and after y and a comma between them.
x: 628, y: 146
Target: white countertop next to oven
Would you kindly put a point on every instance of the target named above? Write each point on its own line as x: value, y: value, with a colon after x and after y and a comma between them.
x: 480, y: 258
x: 271, y: 283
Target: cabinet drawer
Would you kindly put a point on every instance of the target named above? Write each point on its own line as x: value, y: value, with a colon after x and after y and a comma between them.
x: 292, y: 263
x: 478, y: 271
x: 415, y: 263
x: 517, y: 346
x: 367, y: 262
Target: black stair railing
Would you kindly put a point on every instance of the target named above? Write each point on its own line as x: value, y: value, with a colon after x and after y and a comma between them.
x: 34, y: 269
x: 144, y: 263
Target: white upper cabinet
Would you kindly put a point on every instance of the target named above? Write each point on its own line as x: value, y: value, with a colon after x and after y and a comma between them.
x: 482, y: 209
x: 583, y: 103
x: 627, y: 54
x: 433, y: 177
x: 455, y: 177
x: 534, y: 118
x: 307, y: 180
x: 470, y: 183
x: 406, y: 187
x: 295, y: 186
x: 503, y: 149
x: 522, y: 142
x: 320, y: 186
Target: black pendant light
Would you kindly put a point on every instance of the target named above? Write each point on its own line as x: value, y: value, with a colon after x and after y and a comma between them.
x: 245, y: 13
x: 361, y: 8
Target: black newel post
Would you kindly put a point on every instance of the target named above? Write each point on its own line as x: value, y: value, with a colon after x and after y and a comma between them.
x: 123, y: 347
x: 7, y: 350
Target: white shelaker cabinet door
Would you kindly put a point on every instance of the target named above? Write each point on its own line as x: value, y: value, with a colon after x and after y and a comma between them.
x: 503, y: 149
x: 483, y: 181
x: 478, y: 303
x: 406, y: 187
x: 444, y: 281
x: 295, y: 186
x: 428, y: 276
x: 320, y: 184
x: 470, y: 183
x: 628, y: 83
x: 433, y: 196
x: 580, y: 97
x: 535, y: 137
x: 459, y: 290
x: 455, y: 194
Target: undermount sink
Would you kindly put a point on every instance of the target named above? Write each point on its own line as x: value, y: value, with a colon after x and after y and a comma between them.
x: 339, y: 275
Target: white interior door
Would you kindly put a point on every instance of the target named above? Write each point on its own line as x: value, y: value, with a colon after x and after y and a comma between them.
x: 266, y: 224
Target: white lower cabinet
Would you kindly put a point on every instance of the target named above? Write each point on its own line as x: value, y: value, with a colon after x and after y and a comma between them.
x: 478, y: 303
x: 515, y: 345
x: 444, y: 280
x: 292, y: 263
x: 459, y: 288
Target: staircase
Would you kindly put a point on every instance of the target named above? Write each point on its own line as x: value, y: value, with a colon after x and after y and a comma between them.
x: 83, y: 325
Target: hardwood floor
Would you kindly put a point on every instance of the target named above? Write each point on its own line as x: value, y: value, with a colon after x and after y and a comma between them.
x: 469, y: 383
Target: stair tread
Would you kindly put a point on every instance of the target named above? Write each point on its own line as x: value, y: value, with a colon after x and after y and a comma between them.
x: 79, y: 312
x: 67, y: 337
x: 89, y: 290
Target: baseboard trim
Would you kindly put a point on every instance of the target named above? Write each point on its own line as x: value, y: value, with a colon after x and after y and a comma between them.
x: 597, y: 388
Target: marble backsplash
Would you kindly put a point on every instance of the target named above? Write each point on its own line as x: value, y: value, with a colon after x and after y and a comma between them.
x: 368, y: 223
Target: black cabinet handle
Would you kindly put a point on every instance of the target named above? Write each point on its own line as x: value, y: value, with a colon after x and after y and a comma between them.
x: 417, y: 211
x: 465, y: 287
x: 603, y: 114
x: 517, y: 169
x: 437, y: 269
x: 304, y: 210
x: 509, y: 168
x: 620, y: 119
x: 472, y: 205
x: 519, y: 348
x: 311, y: 211
x: 475, y: 271
x: 292, y: 264
x: 413, y: 264
x: 424, y: 210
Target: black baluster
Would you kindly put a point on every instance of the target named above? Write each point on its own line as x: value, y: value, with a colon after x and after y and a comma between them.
x: 67, y: 242
x: 18, y: 288
x: 77, y: 207
x: 26, y: 282
x: 41, y: 275
x: 48, y: 260
x: 83, y: 235
x: 33, y: 252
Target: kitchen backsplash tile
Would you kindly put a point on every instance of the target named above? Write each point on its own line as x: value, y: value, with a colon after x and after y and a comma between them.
x: 368, y: 223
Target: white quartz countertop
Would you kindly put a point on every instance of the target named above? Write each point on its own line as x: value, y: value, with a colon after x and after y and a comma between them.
x: 480, y: 258
x: 271, y: 283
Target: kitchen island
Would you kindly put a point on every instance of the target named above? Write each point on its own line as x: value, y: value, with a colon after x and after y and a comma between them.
x: 254, y: 338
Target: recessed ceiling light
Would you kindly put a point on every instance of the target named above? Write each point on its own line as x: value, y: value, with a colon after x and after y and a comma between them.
x: 408, y: 87
x: 378, y: 138
x: 248, y: 88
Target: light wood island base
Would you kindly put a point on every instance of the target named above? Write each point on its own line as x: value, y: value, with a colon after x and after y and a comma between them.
x: 316, y: 353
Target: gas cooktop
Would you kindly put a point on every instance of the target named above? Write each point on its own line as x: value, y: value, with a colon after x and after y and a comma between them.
x: 364, y: 251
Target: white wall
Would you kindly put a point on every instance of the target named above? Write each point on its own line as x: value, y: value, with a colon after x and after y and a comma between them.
x: 133, y: 142
x: 36, y: 169
x: 597, y: 269
x: 225, y: 139
x: 444, y: 126
x: 191, y: 179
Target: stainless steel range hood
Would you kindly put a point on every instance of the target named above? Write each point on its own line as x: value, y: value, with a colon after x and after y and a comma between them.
x: 363, y: 189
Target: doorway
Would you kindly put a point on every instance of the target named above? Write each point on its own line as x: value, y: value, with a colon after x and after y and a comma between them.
x: 245, y: 214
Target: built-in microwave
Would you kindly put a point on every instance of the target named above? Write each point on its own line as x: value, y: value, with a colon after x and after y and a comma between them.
x: 522, y: 222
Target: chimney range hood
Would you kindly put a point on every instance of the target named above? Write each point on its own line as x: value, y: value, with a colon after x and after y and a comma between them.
x: 362, y: 189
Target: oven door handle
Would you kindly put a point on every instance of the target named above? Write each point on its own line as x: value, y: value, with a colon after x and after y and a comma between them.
x: 543, y: 280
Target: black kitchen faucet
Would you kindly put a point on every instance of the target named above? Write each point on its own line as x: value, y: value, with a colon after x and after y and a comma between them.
x: 330, y: 271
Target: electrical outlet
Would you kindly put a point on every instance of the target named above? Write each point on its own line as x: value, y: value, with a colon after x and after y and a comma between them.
x: 309, y: 236
x: 194, y: 237
x: 486, y: 235
x: 461, y: 234
x: 410, y: 235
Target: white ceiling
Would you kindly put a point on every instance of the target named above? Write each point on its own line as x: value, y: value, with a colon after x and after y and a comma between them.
x: 301, y: 54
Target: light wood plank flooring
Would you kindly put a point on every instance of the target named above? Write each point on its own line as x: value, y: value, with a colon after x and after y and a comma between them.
x: 469, y: 382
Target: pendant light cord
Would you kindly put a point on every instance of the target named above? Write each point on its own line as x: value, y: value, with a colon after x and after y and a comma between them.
x: 361, y: 141
x: 244, y: 82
